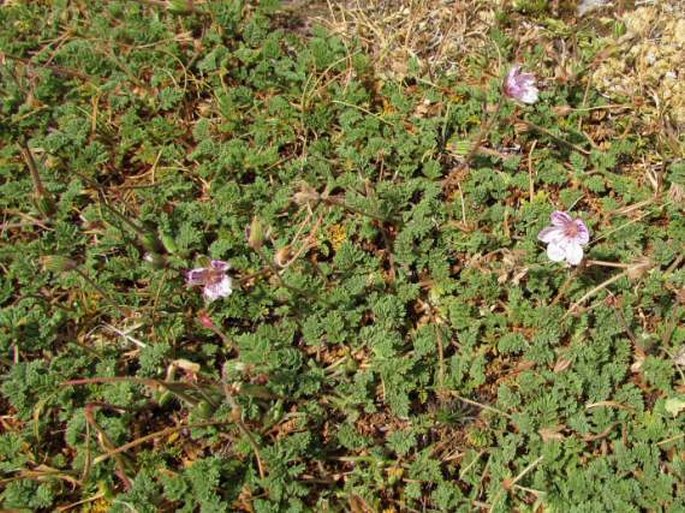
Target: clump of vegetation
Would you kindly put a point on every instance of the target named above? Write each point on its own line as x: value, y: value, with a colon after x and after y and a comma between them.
x: 399, y: 329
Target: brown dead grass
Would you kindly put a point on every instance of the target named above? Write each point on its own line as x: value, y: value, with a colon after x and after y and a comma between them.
x: 436, y: 34
x: 647, y: 64
x: 645, y: 67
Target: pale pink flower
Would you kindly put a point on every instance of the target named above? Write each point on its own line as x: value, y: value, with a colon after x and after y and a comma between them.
x: 214, y: 279
x: 565, y: 238
x: 520, y: 86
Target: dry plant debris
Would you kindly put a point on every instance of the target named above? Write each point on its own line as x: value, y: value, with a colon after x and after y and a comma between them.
x: 436, y: 34
x: 647, y: 63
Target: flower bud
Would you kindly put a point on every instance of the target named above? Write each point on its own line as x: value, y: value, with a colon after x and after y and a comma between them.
x: 204, y: 410
x: 180, y: 7
x: 205, y: 320
x: 169, y: 242
x: 460, y: 147
x: 520, y: 127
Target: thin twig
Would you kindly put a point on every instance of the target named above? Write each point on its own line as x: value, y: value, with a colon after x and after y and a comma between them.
x: 594, y: 291
x: 237, y: 418
x: 152, y: 436
x: 480, y: 405
x: 532, y: 125
x: 531, y: 181
x: 100, y: 290
x: 480, y: 138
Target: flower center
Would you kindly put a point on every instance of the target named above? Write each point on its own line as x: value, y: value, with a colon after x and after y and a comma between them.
x: 571, y: 230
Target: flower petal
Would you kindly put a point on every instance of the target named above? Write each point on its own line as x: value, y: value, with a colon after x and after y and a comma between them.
x: 220, y: 265
x: 574, y: 254
x: 551, y: 234
x: 520, y: 86
x: 560, y: 218
x: 222, y: 288
x: 513, y: 73
x: 583, y: 236
x: 556, y: 252
x: 529, y: 95
x: 526, y: 79
x: 196, y: 276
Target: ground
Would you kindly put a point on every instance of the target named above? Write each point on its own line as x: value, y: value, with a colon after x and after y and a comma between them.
x: 391, y: 334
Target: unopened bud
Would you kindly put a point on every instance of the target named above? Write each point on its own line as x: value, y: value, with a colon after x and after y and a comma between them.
x: 460, y: 147
x: 521, y: 128
x: 205, y: 320
x: 180, y: 7
x: 204, y: 410
x: 169, y: 242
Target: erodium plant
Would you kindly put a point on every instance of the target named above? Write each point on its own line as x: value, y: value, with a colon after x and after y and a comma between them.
x: 565, y: 238
x: 400, y: 340
x: 213, y: 279
x: 520, y: 86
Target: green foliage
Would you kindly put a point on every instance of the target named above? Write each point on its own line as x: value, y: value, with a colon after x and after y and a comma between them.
x: 396, y: 335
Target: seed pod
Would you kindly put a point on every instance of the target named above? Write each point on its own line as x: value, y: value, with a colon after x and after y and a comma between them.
x: 283, y: 256
x: 562, y: 110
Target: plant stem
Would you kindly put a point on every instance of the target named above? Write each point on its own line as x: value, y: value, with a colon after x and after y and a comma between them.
x: 603, y: 263
x: 532, y: 125
x: 591, y: 293
x: 97, y: 287
x: 480, y: 138
x: 39, y: 191
x: 342, y: 203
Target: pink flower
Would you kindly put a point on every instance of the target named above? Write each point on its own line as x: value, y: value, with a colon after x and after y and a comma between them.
x: 214, y: 279
x: 520, y: 86
x: 565, y: 238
